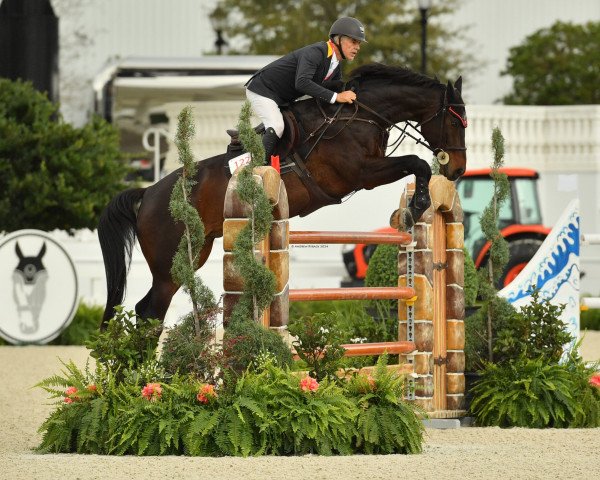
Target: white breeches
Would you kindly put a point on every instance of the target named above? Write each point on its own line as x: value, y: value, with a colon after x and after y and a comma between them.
x: 267, y: 110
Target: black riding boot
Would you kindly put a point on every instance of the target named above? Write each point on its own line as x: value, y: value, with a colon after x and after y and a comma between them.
x: 269, y: 140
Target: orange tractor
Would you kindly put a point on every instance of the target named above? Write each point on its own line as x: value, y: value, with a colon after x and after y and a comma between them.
x: 520, y: 223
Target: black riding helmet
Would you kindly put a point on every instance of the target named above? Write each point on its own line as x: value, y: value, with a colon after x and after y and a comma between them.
x: 350, y: 27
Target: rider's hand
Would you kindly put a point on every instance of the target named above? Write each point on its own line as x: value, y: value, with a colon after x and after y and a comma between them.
x: 347, y: 96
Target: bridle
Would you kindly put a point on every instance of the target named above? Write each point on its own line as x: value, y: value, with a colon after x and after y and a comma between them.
x: 440, y: 151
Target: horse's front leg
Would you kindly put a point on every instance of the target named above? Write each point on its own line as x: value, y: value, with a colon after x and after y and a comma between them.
x: 421, y: 200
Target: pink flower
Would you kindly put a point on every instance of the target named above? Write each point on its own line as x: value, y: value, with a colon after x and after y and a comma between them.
x: 152, y: 392
x: 70, y: 395
x: 595, y: 380
x: 206, y: 393
x: 92, y: 388
x: 309, y: 384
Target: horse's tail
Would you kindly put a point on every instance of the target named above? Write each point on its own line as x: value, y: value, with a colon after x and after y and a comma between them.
x: 116, y: 232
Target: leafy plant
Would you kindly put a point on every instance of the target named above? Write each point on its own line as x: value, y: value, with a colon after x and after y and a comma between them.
x: 476, y: 332
x: 189, y: 347
x: 471, y: 285
x: 127, y: 343
x: 526, y: 393
x: 318, y: 344
x: 244, y: 341
x: 498, y: 254
x: 386, y: 423
x: 534, y: 331
x: 52, y: 174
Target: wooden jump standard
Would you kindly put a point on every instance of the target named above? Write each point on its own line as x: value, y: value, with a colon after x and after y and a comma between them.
x: 432, y: 323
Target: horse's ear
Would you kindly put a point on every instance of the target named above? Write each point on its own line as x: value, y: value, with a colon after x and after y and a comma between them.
x: 450, y: 90
x: 458, y: 84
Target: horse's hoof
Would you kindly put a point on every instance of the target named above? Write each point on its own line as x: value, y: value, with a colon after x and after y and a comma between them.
x: 422, y: 202
x: 407, y: 220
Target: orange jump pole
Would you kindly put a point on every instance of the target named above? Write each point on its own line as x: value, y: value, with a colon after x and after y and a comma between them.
x: 358, y: 293
x: 309, y: 237
x: 366, y: 349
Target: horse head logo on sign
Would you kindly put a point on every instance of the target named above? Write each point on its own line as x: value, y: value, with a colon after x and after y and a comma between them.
x: 29, y: 288
x: 38, y: 287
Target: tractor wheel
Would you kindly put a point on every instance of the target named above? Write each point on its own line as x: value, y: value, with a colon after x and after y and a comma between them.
x: 520, y: 252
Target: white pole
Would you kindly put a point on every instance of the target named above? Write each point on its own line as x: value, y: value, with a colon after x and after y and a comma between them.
x: 154, y: 147
x: 591, y: 302
x: 590, y: 238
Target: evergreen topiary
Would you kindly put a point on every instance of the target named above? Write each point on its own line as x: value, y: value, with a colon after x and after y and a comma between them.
x: 53, y: 175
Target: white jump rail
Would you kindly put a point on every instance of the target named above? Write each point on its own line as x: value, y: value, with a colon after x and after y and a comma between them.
x: 590, y: 302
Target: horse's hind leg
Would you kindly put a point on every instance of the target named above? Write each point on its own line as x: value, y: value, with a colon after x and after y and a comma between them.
x: 156, y: 302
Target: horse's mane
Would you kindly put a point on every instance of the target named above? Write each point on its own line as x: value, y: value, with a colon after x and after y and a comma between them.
x: 401, y: 75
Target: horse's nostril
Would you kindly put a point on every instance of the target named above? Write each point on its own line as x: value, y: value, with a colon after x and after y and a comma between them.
x: 459, y: 172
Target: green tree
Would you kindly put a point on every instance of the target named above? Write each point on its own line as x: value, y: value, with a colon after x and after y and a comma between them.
x: 53, y: 175
x: 393, y: 31
x: 556, y: 66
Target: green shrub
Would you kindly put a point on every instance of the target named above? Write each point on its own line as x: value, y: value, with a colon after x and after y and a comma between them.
x: 244, y: 341
x: 191, y: 352
x: 535, y: 330
x: 386, y: 423
x: 52, y: 175
x: 476, y: 332
x: 353, y: 321
x: 471, y: 285
x: 127, y: 343
x: 318, y: 344
x: 589, y: 319
x: 526, y: 393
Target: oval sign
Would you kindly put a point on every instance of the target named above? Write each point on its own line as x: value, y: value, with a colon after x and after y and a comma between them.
x: 38, y: 287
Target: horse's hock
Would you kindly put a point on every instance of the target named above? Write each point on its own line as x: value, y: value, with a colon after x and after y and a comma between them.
x: 431, y: 266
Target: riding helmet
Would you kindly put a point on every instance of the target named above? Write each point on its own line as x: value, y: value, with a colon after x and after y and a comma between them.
x: 350, y: 27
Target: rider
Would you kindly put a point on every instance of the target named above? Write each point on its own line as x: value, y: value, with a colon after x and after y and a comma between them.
x: 305, y: 71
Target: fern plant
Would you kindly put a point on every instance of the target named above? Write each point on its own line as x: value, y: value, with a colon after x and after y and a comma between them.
x: 386, y: 423
x: 526, y: 393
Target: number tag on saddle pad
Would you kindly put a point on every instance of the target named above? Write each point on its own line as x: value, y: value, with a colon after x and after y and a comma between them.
x: 239, y: 161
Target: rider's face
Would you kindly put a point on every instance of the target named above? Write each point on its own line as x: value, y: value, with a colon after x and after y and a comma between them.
x: 350, y: 47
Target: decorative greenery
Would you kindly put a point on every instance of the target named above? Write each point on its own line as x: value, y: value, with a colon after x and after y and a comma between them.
x: 534, y: 394
x: 52, y: 175
x: 589, y: 319
x: 318, y: 344
x: 269, y: 411
x: 476, y: 334
x: 556, y: 65
x: 127, y: 343
x: 189, y: 346
x: 245, y: 340
x: 498, y: 255
x: 392, y: 27
x: 386, y: 424
x: 259, y: 281
x: 471, y: 285
x: 535, y: 331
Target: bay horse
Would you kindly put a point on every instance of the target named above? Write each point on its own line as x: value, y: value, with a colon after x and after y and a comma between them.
x: 350, y: 157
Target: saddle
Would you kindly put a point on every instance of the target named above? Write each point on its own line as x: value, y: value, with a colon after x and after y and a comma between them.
x: 291, y: 150
x: 286, y: 146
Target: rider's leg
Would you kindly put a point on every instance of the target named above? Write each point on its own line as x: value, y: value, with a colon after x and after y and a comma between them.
x: 269, y: 113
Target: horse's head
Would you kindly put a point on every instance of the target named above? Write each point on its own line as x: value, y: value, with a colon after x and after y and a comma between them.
x: 445, y: 132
